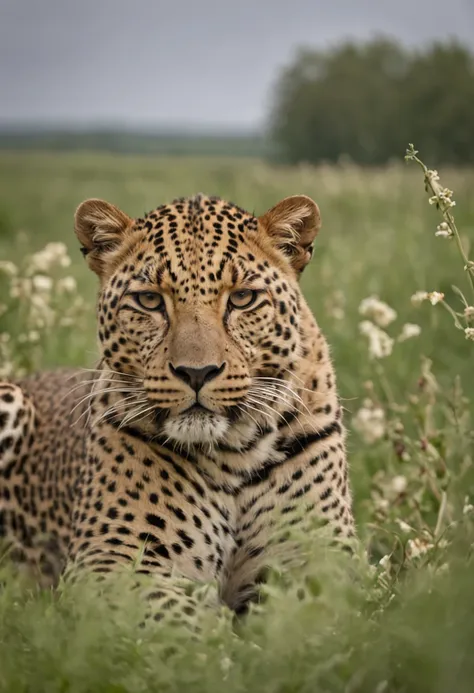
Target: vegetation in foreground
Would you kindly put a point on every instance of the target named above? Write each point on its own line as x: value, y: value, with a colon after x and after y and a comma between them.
x: 381, y: 287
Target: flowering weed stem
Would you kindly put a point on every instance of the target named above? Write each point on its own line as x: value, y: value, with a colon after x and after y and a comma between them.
x: 442, y: 199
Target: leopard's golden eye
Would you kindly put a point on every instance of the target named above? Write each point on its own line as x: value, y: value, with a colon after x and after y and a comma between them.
x: 149, y: 300
x: 242, y: 299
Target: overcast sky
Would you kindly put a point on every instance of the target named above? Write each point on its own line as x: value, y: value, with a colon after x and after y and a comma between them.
x: 199, y: 62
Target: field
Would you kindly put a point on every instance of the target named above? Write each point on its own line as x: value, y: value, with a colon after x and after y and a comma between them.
x: 404, y: 624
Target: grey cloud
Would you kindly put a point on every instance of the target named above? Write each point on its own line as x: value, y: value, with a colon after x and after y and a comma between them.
x: 148, y: 62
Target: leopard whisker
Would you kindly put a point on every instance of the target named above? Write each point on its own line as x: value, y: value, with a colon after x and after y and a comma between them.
x: 276, y: 382
x: 272, y: 395
x: 256, y: 400
x: 114, y: 410
x: 283, y: 383
x: 90, y: 383
x: 303, y: 404
x: 108, y: 370
x: 140, y: 412
x: 88, y: 411
x: 103, y: 392
x: 266, y: 394
x: 249, y: 406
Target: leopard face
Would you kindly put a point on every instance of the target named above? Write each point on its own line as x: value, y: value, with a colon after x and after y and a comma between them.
x: 199, y: 304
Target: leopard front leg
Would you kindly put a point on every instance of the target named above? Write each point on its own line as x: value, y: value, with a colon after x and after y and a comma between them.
x: 153, y: 514
x: 168, y: 596
x: 308, y: 489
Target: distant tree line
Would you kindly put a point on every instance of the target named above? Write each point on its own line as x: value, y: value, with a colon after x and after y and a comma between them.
x: 368, y: 101
x: 135, y: 142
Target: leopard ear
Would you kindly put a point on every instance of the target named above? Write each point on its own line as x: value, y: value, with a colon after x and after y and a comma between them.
x: 100, y: 228
x: 292, y: 225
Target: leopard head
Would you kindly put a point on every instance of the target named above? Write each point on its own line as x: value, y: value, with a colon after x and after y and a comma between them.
x: 200, y: 301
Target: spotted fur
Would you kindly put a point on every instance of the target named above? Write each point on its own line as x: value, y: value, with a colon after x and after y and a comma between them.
x: 138, y: 462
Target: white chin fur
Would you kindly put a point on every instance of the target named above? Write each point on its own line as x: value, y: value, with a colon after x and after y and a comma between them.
x: 198, y: 427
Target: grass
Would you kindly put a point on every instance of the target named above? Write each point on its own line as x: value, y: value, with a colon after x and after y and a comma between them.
x: 404, y: 625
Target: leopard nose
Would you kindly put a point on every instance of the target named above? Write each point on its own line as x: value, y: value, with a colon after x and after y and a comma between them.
x: 197, y: 377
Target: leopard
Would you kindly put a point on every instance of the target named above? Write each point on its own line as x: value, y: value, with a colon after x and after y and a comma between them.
x: 211, y: 420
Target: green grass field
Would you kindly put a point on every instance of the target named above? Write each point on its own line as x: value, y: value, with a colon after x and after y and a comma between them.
x: 404, y: 625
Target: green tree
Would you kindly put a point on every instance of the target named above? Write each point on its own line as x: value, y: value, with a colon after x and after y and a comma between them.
x: 439, y: 103
x: 367, y: 101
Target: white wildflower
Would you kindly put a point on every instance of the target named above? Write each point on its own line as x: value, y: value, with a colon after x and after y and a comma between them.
x: 469, y: 312
x: 385, y: 563
x: 468, y: 508
x: 366, y: 327
x: 418, y: 297
x: 33, y: 336
x: 432, y: 175
x: 369, y: 422
x: 399, y: 484
x: 417, y: 547
x: 42, y: 283
x: 380, y: 344
x: 20, y: 288
x: 226, y: 664
x: 409, y: 330
x: 53, y: 254
x: 378, y: 311
x: 435, y: 297
x: 67, y: 284
x: 41, y: 314
x: 443, y: 230
x: 8, y: 268
x: 39, y: 302
x: 443, y: 199
x: 382, y: 504
x: 405, y: 527
x: 469, y: 333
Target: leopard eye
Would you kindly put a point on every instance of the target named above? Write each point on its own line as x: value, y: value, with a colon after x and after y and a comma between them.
x: 242, y: 299
x: 149, y: 300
